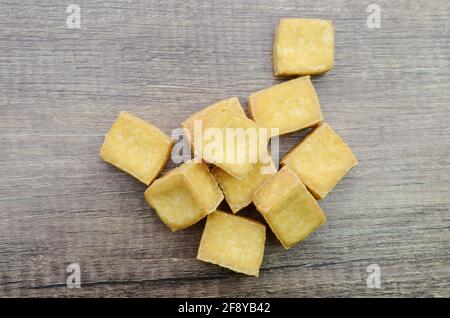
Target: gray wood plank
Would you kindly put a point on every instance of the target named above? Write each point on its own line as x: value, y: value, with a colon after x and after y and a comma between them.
x: 60, y: 89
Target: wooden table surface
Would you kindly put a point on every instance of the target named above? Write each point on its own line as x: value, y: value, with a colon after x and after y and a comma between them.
x: 388, y: 96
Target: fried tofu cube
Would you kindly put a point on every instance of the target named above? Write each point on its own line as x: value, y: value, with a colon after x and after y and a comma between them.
x: 321, y: 159
x: 232, y: 104
x: 290, y: 210
x: 303, y: 47
x: 184, y: 195
x: 233, y: 242
x: 239, y: 193
x: 136, y: 147
x: 232, y: 142
x: 288, y: 106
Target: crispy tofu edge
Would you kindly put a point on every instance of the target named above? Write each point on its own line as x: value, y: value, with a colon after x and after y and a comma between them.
x: 265, y: 213
x: 215, y: 262
x: 189, y: 187
x: 320, y: 212
x: 279, y: 73
x: 203, y: 112
x: 139, y: 121
x: 220, y: 165
x: 251, y: 100
x: 319, y: 195
x: 216, y: 184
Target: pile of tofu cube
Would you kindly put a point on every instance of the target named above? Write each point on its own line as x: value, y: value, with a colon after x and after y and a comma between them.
x: 286, y: 198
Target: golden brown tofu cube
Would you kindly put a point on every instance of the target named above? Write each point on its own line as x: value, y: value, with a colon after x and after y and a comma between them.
x: 239, y: 193
x: 232, y: 142
x: 136, y: 147
x: 232, y: 104
x: 290, y: 210
x: 184, y: 195
x: 288, y: 106
x: 233, y: 242
x: 303, y: 47
x: 321, y: 159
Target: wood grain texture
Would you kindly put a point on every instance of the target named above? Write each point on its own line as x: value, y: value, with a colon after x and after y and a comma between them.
x: 388, y: 96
